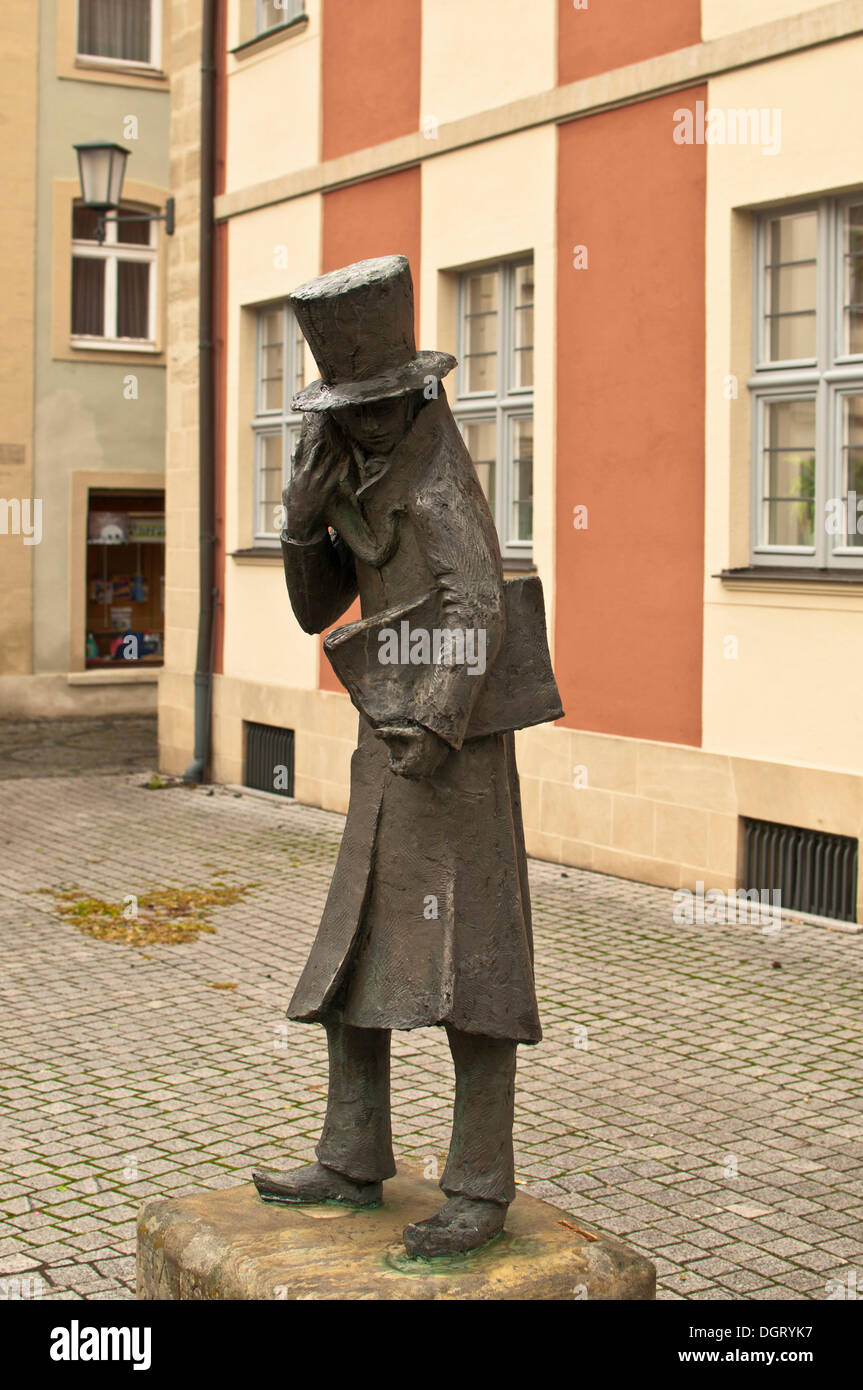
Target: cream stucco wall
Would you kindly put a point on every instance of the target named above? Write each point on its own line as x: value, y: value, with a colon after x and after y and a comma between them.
x: 274, y: 100
x: 719, y: 17
x: 504, y: 191
x: 788, y: 696
x: 262, y: 640
x: 483, y: 54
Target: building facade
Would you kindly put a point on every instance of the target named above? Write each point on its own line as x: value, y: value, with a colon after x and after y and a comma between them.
x: 640, y: 230
x: 82, y: 460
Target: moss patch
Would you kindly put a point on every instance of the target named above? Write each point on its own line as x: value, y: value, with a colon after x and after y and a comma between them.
x: 165, y: 916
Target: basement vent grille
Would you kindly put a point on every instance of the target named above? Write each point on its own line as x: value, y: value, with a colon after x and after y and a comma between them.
x: 270, y: 759
x: 815, y: 872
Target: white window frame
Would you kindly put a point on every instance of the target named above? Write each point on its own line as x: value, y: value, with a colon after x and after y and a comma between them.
x: 291, y: 9
x: 280, y: 421
x: 96, y: 60
x: 825, y: 378
x: 502, y: 405
x: 111, y: 252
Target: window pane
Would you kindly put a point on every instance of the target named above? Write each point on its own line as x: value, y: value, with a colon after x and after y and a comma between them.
x: 521, y: 464
x: 852, y: 466
x: 88, y: 296
x: 522, y: 329
x: 790, y: 294
x: 481, y: 332
x: 788, y: 487
x: 269, y: 481
x: 272, y: 13
x: 133, y: 299
x: 84, y: 222
x: 853, y: 297
x: 271, y: 394
x: 133, y: 233
x: 480, y: 436
x: 115, y: 29
x: 299, y: 359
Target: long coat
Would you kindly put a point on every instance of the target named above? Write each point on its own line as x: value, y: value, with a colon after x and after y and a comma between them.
x: 428, y: 915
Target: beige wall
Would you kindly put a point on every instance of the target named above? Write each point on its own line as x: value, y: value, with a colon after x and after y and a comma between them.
x: 274, y: 96
x: 19, y: 28
x: 789, y: 695
x: 484, y: 54
x: 720, y: 17
x: 262, y: 640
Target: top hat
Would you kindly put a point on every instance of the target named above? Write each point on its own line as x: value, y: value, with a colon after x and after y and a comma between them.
x: 359, y: 323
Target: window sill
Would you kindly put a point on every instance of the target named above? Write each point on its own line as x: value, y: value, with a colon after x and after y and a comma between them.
x: 135, y: 675
x: 257, y: 554
x: 119, y: 68
x: 790, y: 576
x: 260, y: 42
x: 113, y: 345
x: 518, y: 564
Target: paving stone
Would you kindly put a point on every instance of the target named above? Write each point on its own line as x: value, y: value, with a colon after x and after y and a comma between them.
x: 132, y: 1077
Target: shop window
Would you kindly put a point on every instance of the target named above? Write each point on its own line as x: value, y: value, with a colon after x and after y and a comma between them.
x: 125, y: 579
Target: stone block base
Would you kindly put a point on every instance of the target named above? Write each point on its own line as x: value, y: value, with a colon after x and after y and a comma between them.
x: 231, y: 1245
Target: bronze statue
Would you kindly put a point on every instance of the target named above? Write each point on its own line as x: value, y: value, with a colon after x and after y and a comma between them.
x: 428, y: 915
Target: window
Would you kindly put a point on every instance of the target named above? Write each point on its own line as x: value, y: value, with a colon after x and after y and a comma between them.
x: 808, y: 387
x: 120, y: 31
x: 494, y: 393
x: 280, y: 373
x: 271, y: 14
x: 113, y: 284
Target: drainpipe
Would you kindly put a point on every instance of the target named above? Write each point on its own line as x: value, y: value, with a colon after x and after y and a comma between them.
x: 196, y: 770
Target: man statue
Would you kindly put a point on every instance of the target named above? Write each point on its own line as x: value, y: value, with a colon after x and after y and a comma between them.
x: 427, y: 921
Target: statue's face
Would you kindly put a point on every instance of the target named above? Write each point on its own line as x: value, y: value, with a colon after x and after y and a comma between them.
x: 377, y: 426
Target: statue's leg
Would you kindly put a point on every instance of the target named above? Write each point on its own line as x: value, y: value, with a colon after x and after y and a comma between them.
x: 479, y: 1175
x: 355, y: 1150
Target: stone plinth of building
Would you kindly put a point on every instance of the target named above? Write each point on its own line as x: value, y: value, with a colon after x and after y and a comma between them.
x: 231, y: 1245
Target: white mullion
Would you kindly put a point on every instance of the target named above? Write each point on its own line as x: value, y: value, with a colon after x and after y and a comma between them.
x: 110, y: 297
x: 152, y: 305
x: 289, y: 375
x: 156, y: 33
x: 824, y: 461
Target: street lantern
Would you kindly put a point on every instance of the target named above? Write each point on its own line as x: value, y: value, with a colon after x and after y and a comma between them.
x: 101, y: 167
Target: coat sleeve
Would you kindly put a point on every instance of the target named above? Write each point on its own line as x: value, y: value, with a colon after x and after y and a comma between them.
x: 321, y: 579
x: 456, y: 534
x: 320, y: 574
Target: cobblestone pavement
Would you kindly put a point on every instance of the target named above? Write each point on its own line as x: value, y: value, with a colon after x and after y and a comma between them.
x: 697, y: 1092
x: 62, y: 747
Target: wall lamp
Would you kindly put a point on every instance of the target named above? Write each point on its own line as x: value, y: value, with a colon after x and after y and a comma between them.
x: 101, y: 167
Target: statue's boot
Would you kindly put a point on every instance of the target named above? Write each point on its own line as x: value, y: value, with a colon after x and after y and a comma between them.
x: 315, y: 1183
x: 462, y: 1224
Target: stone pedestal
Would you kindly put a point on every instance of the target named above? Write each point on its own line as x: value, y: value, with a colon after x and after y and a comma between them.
x: 231, y: 1245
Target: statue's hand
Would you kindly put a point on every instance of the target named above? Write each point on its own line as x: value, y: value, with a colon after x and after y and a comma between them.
x: 317, y: 469
x: 415, y: 752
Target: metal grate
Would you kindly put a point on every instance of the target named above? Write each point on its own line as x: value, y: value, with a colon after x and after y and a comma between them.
x: 270, y: 759
x: 814, y: 871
